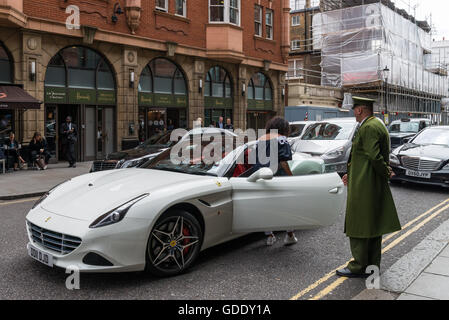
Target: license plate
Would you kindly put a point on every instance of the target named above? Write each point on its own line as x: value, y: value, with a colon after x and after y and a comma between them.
x: 40, y: 256
x: 417, y: 174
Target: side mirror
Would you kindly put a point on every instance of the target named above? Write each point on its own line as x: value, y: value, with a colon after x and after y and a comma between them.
x: 263, y: 173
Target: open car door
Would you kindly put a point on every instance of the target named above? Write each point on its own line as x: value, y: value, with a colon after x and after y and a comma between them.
x: 286, y: 203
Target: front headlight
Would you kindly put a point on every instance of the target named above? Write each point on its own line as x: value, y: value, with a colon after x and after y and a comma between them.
x: 117, y: 214
x: 45, y: 196
x: 130, y: 163
x: 394, y: 160
x: 334, y: 153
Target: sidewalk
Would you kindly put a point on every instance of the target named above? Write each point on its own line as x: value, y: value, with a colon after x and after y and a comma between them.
x: 423, y: 273
x: 31, y: 183
x: 433, y: 283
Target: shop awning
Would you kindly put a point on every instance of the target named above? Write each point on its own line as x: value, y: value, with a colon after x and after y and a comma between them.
x: 13, y: 97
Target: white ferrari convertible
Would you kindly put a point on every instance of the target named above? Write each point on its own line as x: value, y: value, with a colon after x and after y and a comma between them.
x: 160, y: 217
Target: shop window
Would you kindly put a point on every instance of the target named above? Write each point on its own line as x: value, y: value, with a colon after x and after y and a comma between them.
x: 218, y: 83
x: 81, y: 68
x: 162, y: 76
x: 146, y: 81
x: 259, y: 88
x: 104, y: 77
x: 5, y: 66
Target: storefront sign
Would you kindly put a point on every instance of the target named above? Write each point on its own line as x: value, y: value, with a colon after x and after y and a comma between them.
x: 260, y: 104
x: 181, y: 101
x: 163, y: 100
x: 55, y: 95
x: 82, y: 96
x: 106, y: 97
x: 145, y: 99
x: 223, y: 103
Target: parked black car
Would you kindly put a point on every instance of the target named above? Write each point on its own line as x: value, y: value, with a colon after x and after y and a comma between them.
x: 401, y: 131
x: 134, y: 157
x: 425, y: 159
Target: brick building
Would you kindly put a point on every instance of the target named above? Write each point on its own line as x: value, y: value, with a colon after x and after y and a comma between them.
x: 135, y: 67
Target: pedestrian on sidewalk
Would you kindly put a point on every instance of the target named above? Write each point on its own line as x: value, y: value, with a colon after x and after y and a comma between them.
x: 370, y: 210
x: 69, y: 134
x: 14, y: 151
x: 39, y: 151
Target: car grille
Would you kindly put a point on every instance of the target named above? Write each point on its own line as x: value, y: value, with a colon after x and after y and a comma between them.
x: 419, y: 164
x: 54, y: 241
x: 104, y: 165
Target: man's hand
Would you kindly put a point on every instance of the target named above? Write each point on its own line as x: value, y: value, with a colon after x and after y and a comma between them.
x: 345, y: 179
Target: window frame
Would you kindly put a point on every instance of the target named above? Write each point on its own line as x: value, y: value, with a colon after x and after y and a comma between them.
x: 298, y: 47
x: 226, y: 12
x: 296, y: 74
x: 269, y: 26
x: 260, y: 22
x: 298, y: 22
x: 160, y: 8
x: 211, y: 81
x: 184, y: 9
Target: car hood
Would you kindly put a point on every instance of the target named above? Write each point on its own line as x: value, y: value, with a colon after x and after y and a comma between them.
x: 318, y: 147
x: 430, y: 151
x: 89, y: 196
x: 134, y: 153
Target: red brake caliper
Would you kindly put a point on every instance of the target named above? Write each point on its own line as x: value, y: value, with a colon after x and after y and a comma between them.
x: 186, y: 233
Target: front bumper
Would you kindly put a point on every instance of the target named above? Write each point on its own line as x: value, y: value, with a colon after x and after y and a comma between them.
x: 122, y: 244
x: 438, y: 178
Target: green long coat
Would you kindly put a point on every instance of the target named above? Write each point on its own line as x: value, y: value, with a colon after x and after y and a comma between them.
x: 370, y: 211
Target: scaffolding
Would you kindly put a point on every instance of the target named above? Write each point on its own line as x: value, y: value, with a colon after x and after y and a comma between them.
x: 374, y: 49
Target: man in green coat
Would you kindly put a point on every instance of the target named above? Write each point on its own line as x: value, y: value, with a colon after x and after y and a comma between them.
x: 370, y: 212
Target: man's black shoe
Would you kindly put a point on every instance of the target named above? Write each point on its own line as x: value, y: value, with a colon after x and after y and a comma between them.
x: 74, y: 166
x: 70, y: 166
x: 345, y: 272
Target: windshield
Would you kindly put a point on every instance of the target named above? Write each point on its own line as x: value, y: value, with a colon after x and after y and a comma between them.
x: 158, y: 139
x: 296, y: 130
x: 191, y: 157
x: 412, y: 127
x: 330, y: 131
x: 433, y: 136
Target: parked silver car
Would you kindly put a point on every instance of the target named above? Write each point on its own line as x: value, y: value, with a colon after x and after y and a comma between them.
x: 330, y: 140
x: 297, y: 130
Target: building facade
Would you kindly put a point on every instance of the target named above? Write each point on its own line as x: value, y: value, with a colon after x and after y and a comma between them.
x: 127, y: 69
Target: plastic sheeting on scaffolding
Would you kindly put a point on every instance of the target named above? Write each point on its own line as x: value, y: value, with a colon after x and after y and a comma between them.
x: 357, y: 43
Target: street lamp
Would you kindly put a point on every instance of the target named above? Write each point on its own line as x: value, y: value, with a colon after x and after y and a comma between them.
x: 386, y: 73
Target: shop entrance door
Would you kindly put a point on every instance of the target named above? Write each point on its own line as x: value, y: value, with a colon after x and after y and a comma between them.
x: 99, y: 132
x: 63, y: 111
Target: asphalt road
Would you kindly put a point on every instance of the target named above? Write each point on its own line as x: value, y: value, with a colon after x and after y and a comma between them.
x: 241, y: 269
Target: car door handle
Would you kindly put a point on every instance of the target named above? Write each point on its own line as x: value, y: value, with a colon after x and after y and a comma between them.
x: 334, y: 191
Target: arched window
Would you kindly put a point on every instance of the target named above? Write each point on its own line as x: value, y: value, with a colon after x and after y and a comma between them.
x: 79, y: 67
x: 162, y: 76
x: 259, y: 88
x: 218, y: 83
x: 5, y: 66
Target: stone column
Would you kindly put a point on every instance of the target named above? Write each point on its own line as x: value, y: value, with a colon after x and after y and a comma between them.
x: 240, y: 99
x: 32, y: 120
x: 196, y: 98
x: 127, y: 100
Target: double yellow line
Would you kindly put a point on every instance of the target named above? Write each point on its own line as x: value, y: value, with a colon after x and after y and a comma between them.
x: 7, y: 203
x: 426, y: 216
